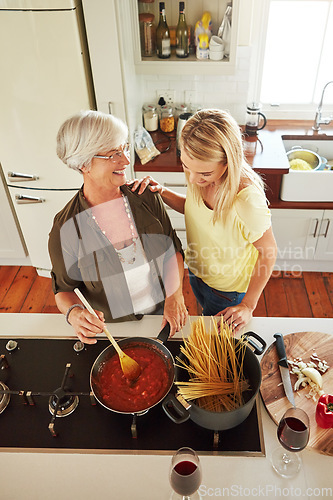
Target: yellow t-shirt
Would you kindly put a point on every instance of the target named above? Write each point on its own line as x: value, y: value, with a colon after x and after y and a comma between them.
x: 222, y: 254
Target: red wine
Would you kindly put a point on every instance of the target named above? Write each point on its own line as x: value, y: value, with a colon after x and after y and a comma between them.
x: 185, y: 468
x: 293, y: 434
x: 185, y: 478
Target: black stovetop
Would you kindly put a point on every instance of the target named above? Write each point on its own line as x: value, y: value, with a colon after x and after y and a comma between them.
x: 38, y: 365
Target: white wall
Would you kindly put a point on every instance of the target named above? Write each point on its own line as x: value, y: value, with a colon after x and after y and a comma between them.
x: 229, y: 92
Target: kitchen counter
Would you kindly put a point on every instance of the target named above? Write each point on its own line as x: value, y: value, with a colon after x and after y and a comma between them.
x: 265, y: 153
x: 37, y: 476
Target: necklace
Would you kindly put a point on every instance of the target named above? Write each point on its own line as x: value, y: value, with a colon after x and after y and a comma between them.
x: 131, y: 226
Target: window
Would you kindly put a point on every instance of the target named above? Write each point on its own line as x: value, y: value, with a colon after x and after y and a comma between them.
x: 296, y: 58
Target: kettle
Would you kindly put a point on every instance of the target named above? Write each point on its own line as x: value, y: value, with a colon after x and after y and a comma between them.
x: 182, y: 119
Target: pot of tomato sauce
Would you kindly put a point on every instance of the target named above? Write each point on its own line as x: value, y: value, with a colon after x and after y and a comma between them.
x: 116, y: 393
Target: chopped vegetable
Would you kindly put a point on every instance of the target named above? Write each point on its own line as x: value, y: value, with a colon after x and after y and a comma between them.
x: 324, y: 411
x: 314, y: 375
x: 309, y: 374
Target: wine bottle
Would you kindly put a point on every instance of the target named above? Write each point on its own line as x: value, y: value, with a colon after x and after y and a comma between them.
x: 182, y: 46
x: 163, y: 48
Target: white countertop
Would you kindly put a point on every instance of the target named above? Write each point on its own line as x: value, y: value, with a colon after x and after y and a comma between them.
x: 68, y: 476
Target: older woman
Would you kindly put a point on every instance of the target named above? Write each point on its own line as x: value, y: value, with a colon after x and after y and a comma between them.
x: 117, y: 247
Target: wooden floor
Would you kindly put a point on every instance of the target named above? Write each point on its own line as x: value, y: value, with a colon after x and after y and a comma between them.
x: 308, y: 295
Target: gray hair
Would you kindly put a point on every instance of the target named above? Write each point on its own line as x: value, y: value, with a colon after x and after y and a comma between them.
x: 87, y: 134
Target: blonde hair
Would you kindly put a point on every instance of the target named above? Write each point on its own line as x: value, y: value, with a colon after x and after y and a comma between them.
x: 212, y: 135
x: 87, y: 134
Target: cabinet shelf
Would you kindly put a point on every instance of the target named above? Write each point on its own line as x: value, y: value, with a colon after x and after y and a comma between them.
x: 189, y: 65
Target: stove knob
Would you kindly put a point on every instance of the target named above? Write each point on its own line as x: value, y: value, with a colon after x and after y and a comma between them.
x: 78, y: 346
x: 11, y: 345
x: 4, y: 369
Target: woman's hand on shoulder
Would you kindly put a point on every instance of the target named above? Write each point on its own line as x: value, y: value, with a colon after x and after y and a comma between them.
x: 142, y: 184
x: 236, y: 316
x: 86, y: 325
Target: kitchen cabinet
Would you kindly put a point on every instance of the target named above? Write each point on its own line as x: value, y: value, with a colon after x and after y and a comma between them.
x: 304, y: 239
x: 193, y: 12
x: 117, y: 87
x: 324, y: 249
x: 104, y: 49
x: 177, y: 182
x: 35, y: 210
x: 12, y: 245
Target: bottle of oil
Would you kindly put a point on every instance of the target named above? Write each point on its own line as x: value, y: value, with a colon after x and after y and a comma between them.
x: 163, y: 48
x: 182, y: 45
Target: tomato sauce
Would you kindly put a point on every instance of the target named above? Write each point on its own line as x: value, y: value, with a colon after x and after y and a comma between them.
x: 118, y: 393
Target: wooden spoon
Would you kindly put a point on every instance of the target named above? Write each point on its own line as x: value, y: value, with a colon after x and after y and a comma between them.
x: 131, y: 369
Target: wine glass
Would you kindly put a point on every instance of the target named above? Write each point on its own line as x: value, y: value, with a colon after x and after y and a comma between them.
x: 293, y: 433
x: 185, y: 474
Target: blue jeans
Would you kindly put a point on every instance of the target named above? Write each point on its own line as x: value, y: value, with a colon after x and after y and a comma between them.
x: 213, y: 301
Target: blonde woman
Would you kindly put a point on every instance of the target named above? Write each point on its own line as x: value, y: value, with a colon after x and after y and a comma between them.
x: 231, y: 248
x: 117, y: 247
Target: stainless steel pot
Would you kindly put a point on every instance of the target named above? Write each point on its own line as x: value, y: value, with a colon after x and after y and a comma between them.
x: 305, y: 154
x: 110, y: 351
x: 179, y: 410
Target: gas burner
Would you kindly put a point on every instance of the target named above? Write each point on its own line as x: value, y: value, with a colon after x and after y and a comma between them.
x: 4, y: 398
x: 62, y: 404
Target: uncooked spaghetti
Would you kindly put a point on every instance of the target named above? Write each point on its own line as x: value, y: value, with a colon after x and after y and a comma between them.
x: 214, y: 361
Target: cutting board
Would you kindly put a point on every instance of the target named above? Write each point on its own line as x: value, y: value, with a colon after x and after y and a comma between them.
x: 301, y: 344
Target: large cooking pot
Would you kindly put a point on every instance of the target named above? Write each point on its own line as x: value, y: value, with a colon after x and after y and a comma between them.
x: 179, y: 410
x: 110, y: 351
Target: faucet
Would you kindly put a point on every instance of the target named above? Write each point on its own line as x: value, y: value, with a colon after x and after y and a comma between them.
x: 318, y: 119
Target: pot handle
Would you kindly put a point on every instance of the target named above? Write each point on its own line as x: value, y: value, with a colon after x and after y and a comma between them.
x: 164, y: 334
x: 258, y: 349
x: 174, y: 409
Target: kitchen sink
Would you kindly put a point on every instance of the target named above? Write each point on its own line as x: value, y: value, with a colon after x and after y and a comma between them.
x: 305, y: 185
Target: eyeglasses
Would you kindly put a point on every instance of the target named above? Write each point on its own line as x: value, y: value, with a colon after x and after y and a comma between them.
x: 124, y: 150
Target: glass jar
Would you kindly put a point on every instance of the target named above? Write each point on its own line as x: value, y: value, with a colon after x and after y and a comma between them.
x: 145, y: 5
x: 167, y: 120
x: 179, y: 109
x: 147, y: 34
x: 193, y: 108
x: 150, y: 117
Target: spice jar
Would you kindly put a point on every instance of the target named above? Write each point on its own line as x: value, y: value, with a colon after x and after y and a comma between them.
x: 150, y: 117
x: 147, y: 34
x: 167, y: 120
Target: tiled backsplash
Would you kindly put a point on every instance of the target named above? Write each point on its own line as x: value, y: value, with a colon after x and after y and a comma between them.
x: 228, y: 92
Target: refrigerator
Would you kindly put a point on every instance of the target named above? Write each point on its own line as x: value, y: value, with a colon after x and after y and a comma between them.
x: 45, y: 78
